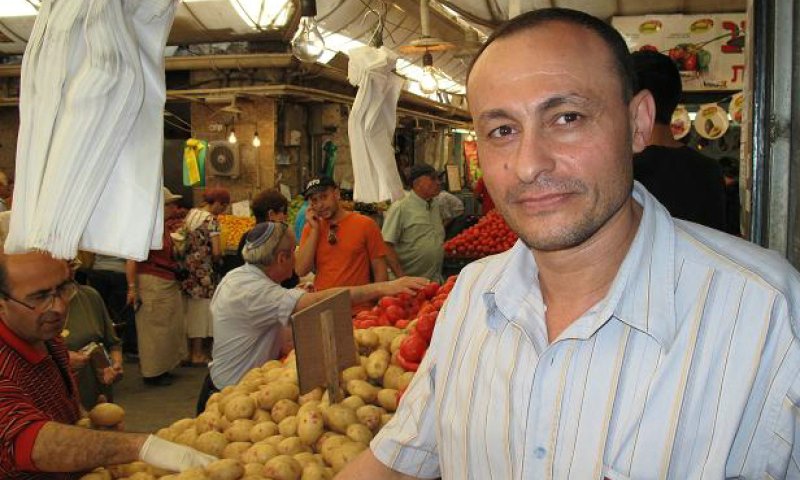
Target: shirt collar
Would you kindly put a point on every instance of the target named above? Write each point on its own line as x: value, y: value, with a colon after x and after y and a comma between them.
x: 25, y: 349
x: 642, y: 294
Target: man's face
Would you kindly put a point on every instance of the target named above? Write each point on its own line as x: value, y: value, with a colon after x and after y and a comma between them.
x: 325, y: 203
x: 30, y: 277
x: 555, y: 136
x: 428, y: 186
x: 285, y: 257
x: 277, y: 217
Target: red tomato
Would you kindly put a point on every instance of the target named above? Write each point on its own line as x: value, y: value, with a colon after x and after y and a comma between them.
x: 368, y: 323
x: 395, y: 313
x: 431, y: 289
x: 403, y: 297
x: 425, y: 326
x: 387, y: 302
x: 402, y: 323
x: 384, y: 321
x: 407, y: 364
x: 413, y: 348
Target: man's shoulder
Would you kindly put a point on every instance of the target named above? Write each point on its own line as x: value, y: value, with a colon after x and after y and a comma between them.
x: 759, y: 267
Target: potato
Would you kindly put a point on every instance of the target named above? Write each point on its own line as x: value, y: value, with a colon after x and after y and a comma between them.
x: 84, y: 422
x: 270, y: 365
x: 283, y: 467
x: 141, y: 476
x: 239, y: 431
x: 240, y: 407
x: 367, y: 392
x: 212, y: 443
x: 106, y: 414
x: 225, y: 469
x: 306, y: 458
x: 354, y: 373
x: 367, y: 338
x: 370, y: 416
x: 262, y: 431
x: 387, y: 398
x: 362, y: 359
x: 309, y: 405
x: 273, y: 375
x: 339, y: 457
x: 386, y: 335
x: 353, y: 401
x: 213, y: 408
x: 288, y: 426
x: 310, y: 425
x: 127, y: 469
x: 391, y: 376
x: 214, y: 398
x: 254, y: 477
x: 315, y: 472
x: 291, y: 446
x: 404, y: 380
x: 339, y: 417
x: 253, y: 468
x: 192, y: 474
x: 166, y: 433
x: 313, y: 395
x: 97, y: 475
x: 245, y: 389
x: 187, y: 437
x: 260, y: 414
x: 359, y: 433
x: 377, y: 362
x: 274, y: 440
x: 183, y: 424
x: 205, y: 422
x: 396, y: 342
x: 271, y: 393
x: 234, y: 450
x: 222, y: 423
x: 385, y: 419
x: 284, y: 408
x: 259, y: 453
x: 331, y: 444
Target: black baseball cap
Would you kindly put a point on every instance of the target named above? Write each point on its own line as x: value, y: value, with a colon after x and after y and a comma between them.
x: 421, y: 170
x: 318, y: 184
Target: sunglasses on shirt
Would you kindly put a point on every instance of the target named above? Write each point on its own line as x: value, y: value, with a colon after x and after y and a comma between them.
x: 332, y: 229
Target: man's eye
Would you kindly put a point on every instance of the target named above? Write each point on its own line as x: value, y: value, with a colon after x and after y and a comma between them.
x: 567, y: 118
x: 39, y: 297
x: 503, y: 131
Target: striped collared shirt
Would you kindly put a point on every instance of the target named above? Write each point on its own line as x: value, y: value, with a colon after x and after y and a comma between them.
x: 688, y: 368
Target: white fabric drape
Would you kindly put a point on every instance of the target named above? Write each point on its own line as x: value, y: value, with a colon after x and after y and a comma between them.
x: 372, y: 123
x: 91, y: 132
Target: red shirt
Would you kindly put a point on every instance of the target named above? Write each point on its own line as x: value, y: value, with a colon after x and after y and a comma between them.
x: 346, y: 263
x: 160, y: 262
x: 35, y: 388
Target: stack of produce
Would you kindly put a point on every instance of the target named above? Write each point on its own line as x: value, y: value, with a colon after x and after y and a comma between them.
x: 489, y: 236
x: 232, y: 228
x: 294, y: 208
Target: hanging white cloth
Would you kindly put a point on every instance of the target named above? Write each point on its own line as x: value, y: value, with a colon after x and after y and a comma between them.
x: 372, y: 122
x: 90, y: 141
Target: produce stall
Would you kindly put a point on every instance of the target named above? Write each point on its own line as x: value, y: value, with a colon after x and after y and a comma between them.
x: 265, y: 428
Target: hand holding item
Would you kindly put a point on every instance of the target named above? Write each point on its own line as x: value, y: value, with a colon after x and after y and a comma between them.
x: 171, y: 456
x: 78, y: 360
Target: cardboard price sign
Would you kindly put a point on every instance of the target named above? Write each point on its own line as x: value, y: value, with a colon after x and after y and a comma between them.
x: 323, y: 344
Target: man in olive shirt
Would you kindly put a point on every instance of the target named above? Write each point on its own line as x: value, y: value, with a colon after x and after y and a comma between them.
x: 413, y: 228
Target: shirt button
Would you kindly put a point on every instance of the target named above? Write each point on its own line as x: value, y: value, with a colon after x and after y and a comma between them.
x: 539, y: 452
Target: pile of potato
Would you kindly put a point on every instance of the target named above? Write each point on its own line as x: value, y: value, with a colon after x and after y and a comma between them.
x: 262, y: 428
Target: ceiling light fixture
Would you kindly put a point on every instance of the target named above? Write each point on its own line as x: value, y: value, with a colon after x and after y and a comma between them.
x: 308, y: 44
x: 256, y: 140
x: 427, y: 82
x: 232, y: 136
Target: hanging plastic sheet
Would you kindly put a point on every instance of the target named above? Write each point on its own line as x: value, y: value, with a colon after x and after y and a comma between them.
x: 90, y: 142
x: 194, y: 163
x: 372, y: 123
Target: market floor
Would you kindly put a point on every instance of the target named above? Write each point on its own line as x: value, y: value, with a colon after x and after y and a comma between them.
x: 149, y: 408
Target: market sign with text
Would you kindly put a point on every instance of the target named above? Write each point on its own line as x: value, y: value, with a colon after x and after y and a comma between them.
x: 708, y: 49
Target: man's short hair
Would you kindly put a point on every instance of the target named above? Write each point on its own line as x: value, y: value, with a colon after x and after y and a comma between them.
x: 217, y: 194
x: 611, y: 37
x: 264, y: 242
x: 268, y: 200
x: 657, y: 73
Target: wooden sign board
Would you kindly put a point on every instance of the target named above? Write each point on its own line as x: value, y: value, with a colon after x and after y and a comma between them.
x: 453, y: 178
x: 323, y: 343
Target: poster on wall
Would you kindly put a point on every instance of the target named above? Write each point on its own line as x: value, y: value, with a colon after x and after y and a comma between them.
x: 708, y: 49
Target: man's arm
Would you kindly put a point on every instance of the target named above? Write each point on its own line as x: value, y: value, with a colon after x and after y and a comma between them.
x: 307, y: 251
x: 393, y: 261
x: 365, y: 293
x: 367, y: 467
x: 379, y: 269
x: 130, y: 276
x: 65, y: 448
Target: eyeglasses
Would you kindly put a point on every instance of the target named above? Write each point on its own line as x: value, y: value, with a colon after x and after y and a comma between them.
x: 332, y: 233
x: 44, y: 301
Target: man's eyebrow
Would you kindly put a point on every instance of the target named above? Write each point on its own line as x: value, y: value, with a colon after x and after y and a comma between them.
x: 48, y: 290
x: 493, y: 114
x: 558, y: 100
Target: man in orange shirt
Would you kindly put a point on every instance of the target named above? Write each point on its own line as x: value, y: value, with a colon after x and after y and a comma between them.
x: 342, y: 247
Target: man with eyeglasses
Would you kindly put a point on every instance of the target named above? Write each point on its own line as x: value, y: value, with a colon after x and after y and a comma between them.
x: 341, y: 247
x: 38, y: 396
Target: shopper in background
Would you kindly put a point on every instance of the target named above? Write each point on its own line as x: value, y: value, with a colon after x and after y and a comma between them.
x: 160, y: 324
x: 38, y: 395
x: 611, y: 341
x: 201, y: 259
x: 88, y: 323
x: 413, y: 227
x: 689, y: 184
x: 251, y: 310
x: 268, y: 206
x: 107, y: 276
x: 343, y: 248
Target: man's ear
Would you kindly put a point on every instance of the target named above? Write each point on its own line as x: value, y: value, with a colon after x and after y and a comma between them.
x: 642, y: 111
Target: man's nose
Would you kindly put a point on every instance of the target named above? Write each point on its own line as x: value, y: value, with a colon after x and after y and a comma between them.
x: 532, y: 157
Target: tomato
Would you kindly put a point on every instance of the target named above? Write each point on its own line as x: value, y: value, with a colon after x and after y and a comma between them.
x: 425, y: 326
x: 368, y: 323
x: 406, y: 364
x: 413, y: 348
x: 395, y: 313
x: 690, y: 62
x: 430, y: 290
x: 402, y: 323
x: 384, y: 321
x: 387, y: 302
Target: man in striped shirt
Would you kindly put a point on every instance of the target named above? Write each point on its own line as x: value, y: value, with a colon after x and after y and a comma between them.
x: 613, y: 341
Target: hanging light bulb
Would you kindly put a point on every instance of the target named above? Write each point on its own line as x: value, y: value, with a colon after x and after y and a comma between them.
x: 308, y: 44
x: 256, y: 140
x: 428, y: 83
x: 232, y: 136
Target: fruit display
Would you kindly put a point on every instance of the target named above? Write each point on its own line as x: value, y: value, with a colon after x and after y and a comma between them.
x: 689, y: 57
x: 489, y: 236
x: 232, y: 228
x: 294, y: 208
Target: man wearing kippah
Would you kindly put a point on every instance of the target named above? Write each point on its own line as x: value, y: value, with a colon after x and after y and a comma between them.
x: 251, y: 310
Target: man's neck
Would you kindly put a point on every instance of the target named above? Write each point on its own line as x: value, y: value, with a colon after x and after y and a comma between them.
x: 421, y: 194
x: 574, y: 280
x: 338, y: 216
x: 662, y: 137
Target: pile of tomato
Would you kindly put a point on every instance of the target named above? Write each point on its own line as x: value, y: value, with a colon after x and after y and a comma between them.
x: 416, y: 314
x: 489, y: 236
